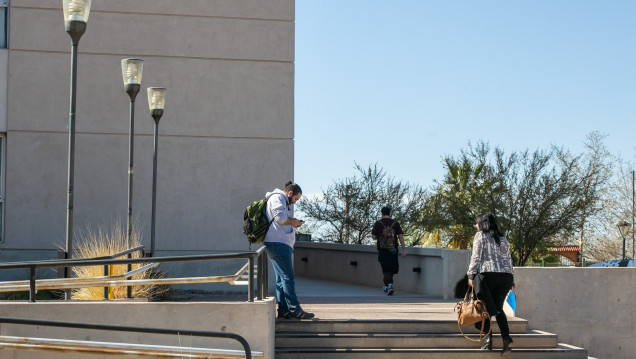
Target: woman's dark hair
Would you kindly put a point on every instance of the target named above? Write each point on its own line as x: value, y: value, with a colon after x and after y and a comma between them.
x: 488, y: 224
x: 291, y: 186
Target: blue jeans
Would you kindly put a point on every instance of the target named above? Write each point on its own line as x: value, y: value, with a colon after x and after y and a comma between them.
x: 282, y: 257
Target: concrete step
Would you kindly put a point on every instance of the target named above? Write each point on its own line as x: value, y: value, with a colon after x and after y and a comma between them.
x: 561, y: 351
x: 532, y: 339
x: 348, y: 326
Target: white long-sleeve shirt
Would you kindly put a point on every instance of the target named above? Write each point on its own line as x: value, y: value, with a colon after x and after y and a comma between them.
x: 278, y: 209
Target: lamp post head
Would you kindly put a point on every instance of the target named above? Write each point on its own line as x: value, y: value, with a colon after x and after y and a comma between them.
x: 131, y: 71
x: 76, y: 10
x: 624, y: 227
x: 75, y: 18
x: 156, y: 102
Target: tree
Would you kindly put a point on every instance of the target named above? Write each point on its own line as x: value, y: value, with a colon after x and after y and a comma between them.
x: 543, y: 202
x: 539, y: 198
x: 603, y: 239
x: 469, y: 188
x: 347, y: 210
x: 594, y: 172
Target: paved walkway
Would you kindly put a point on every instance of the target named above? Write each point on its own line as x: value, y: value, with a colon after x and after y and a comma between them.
x: 331, y: 300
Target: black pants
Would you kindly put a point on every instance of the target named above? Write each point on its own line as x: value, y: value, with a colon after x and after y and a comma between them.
x: 492, y: 288
x: 389, y: 262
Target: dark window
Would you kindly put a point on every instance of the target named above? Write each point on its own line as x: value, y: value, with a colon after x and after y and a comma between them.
x: 4, y: 9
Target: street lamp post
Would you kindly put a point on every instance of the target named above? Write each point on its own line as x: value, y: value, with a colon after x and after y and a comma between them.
x: 131, y: 70
x: 156, y: 104
x: 624, y: 227
x: 75, y: 18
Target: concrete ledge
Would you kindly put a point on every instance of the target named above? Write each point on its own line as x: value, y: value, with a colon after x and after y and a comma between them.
x: 429, y: 271
x: 254, y: 321
x: 586, y: 307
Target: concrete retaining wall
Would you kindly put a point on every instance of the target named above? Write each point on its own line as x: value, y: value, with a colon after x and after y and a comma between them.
x: 586, y: 307
x: 439, y: 269
x: 253, y: 321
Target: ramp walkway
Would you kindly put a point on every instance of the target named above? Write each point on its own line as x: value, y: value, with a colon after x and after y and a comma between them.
x: 361, y: 322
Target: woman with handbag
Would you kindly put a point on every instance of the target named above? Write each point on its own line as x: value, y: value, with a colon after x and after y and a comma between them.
x: 491, y: 273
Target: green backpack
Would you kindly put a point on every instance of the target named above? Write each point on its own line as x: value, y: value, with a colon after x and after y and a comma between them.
x: 255, y: 223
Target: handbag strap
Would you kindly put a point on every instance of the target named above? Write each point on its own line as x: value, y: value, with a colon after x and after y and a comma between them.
x: 470, y: 289
x: 481, y: 333
x: 483, y: 320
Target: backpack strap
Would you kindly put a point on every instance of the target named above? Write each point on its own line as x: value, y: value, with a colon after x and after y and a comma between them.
x: 267, y: 200
x: 270, y: 222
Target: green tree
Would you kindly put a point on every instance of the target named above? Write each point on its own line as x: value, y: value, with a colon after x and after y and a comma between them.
x: 542, y: 202
x: 346, y: 211
x: 469, y: 187
x: 538, y: 198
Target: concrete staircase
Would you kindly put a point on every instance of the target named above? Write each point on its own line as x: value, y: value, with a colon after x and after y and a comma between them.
x: 408, y: 339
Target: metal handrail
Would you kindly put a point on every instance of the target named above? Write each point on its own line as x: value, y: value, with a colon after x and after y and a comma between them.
x: 112, y: 327
x: 128, y: 252
x: 139, y: 248
x: 68, y: 283
x: 123, y: 253
x: 261, y: 276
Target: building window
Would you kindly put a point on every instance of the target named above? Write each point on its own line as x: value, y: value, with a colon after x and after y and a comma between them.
x: 4, y: 9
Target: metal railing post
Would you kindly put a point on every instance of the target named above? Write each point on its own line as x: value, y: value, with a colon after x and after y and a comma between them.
x: 259, y: 277
x: 32, y: 284
x: 250, y: 281
x: 105, y: 288
x: 265, y: 274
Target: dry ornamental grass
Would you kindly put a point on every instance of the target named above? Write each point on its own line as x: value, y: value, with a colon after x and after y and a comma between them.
x: 106, y: 241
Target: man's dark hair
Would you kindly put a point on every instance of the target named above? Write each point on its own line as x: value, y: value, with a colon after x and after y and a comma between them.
x: 386, y: 211
x: 291, y: 186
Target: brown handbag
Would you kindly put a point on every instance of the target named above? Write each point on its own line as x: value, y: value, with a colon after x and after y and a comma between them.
x: 472, y: 310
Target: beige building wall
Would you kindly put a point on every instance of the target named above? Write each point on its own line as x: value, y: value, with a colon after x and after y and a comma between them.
x: 226, y: 137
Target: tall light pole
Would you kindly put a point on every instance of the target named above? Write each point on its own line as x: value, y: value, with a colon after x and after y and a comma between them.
x: 156, y: 104
x: 131, y: 70
x: 624, y: 227
x: 75, y: 18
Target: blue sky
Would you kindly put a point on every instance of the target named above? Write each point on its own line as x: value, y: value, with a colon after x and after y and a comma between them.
x: 403, y: 83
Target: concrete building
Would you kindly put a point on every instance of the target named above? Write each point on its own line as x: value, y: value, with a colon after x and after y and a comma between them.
x: 226, y: 136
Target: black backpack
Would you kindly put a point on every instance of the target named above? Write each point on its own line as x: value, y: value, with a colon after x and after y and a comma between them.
x: 255, y: 223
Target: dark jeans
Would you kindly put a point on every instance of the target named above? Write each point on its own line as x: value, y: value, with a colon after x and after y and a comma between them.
x: 282, y: 257
x: 492, y: 288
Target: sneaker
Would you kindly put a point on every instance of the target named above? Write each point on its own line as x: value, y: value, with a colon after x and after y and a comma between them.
x: 301, y: 315
x: 390, y: 291
x: 283, y: 315
x: 385, y: 289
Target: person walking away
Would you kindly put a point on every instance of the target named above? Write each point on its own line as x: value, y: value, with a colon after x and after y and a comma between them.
x: 386, y: 231
x: 280, y: 240
x: 491, y: 273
